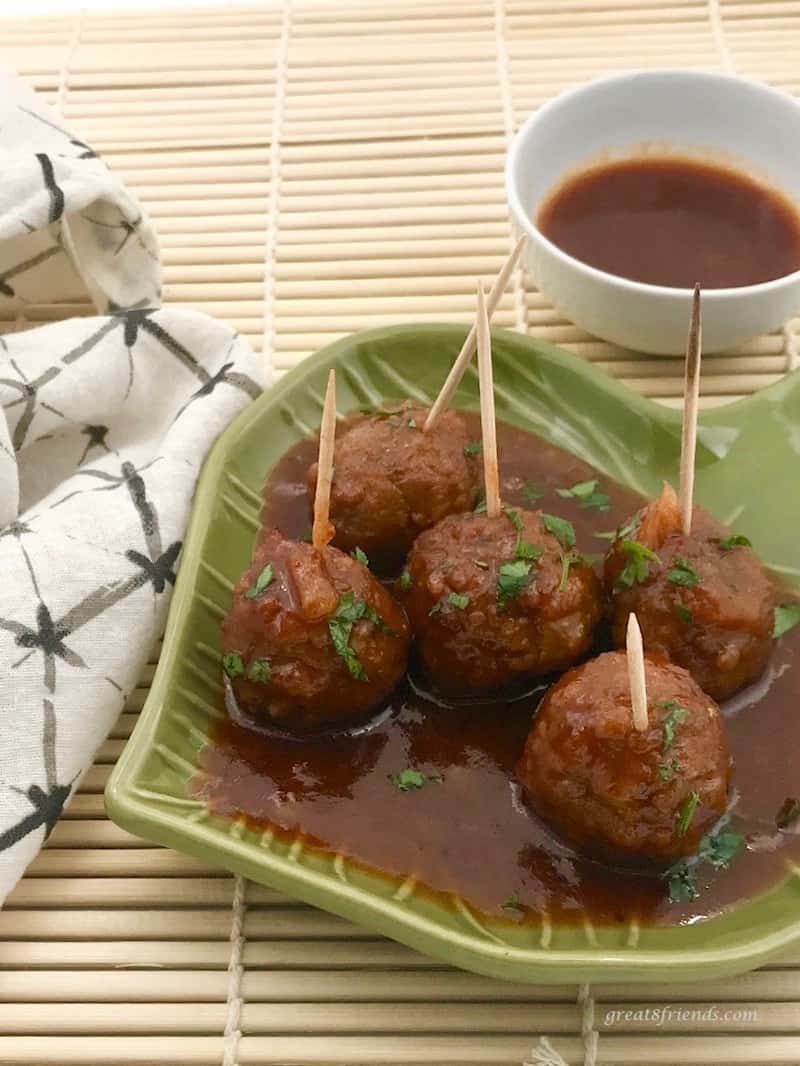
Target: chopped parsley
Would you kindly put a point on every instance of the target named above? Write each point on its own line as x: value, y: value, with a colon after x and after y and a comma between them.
x: 409, y: 780
x: 562, y: 530
x: 511, y: 580
x: 566, y: 562
x: 637, y: 563
x: 734, y: 541
x: 622, y: 531
x: 260, y: 671
x: 361, y: 557
x: 349, y: 610
x: 720, y: 847
x: 473, y: 448
x: 675, y: 715
x: 788, y: 814
x: 233, y: 664
x: 681, y: 884
x: 684, y: 816
x: 532, y: 492
x: 786, y: 617
x: 666, y: 771
x: 514, y: 518
x: 587, y: 494
x: 683, y: 573
x: 513, y: 904
x: 480, y: 506
x: 411, y: 423
x: 526, y: 550
x: 261, y: 582
x: 456, y: 599
x: 404, y: 581
x: 684, y: 613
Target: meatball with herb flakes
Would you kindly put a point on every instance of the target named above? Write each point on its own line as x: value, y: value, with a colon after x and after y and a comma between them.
x: 703, y: 600
x: 622, y: 795
x: 312, y: 638
x: 391, y: 480
x: 493, y: 600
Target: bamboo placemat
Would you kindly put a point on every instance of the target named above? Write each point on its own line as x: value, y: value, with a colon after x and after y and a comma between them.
x: 315, y: 169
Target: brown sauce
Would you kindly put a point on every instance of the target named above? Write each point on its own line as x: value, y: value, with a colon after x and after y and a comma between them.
x: 671, y: 221
x: 470, y: 833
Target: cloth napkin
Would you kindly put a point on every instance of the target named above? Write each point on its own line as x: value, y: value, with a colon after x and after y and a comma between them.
x: 104, y: 425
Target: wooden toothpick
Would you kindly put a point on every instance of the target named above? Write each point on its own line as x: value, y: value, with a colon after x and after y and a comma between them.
x: 488, y: 427
x: 468, y: 348
x: 635, y: 653
x: 322, y: 531
x: 691, y: 398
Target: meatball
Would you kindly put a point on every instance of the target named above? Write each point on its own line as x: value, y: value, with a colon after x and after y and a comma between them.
x: 312, y: 637
x: 391, y: 480
x: 622, y: 795
x: 703, y: 600
x: 491, y: 600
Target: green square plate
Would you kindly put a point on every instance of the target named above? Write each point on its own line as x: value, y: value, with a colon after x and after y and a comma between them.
x: 569, y: 403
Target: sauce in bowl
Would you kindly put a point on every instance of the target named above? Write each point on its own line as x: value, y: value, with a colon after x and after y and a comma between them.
x: 674, y: 221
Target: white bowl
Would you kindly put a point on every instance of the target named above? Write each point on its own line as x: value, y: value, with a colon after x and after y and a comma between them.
x: 711, y: 116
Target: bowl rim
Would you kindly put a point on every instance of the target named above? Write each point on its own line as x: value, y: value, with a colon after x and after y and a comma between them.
x: 595, y: 274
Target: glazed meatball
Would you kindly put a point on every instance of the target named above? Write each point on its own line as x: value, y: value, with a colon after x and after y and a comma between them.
x: 391, y: 480
x: 703, y: 600
x: 312, y: 637
x: 619, y: 794
x: 491, y: 600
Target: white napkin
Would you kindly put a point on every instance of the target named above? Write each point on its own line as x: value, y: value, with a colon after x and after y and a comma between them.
x: 104, y: 425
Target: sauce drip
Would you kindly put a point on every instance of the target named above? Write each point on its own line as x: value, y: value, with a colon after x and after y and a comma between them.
x: 337, y: 793
x: 671, y: 221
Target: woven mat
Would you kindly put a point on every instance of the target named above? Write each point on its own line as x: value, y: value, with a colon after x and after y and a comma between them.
x: 313, y: 170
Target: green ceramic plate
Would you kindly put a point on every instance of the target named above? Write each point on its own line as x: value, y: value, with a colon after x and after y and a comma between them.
x: 569, y: 403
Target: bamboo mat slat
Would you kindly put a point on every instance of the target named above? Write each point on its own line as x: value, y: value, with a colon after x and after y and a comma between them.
x: 314, y: 169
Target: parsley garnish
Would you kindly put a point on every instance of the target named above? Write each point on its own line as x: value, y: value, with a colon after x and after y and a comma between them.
x: 473, y: 448
x: 675, y: 715
x: 526, y: 550
x: 261, y: 582
x: 788, y: 814
x: 361, y: 557
x: 233, y: 664
x: 409, y: 780
x: 260, y: 671
x: 666, y: 771
x: 682, y: 572
x: 514, y: 518
x: 720, y: 847
x: 684, y: 613
x: 586, y: 493
x: 532, y: 492
x: 566, y: 562
x: 562, y: 530
x: 736, y: 540
x: 513, y: 904
x: 511, y: 580
x: 455, y: 599
x: 786, y: 617
x: 637, y: 566
x: 716, y: 848
x: 480, y: 506
x: 349, y: 610
x: 686, y: 813
x: 404, y: 581
x: 411, y: 423
x: 681, y: 884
